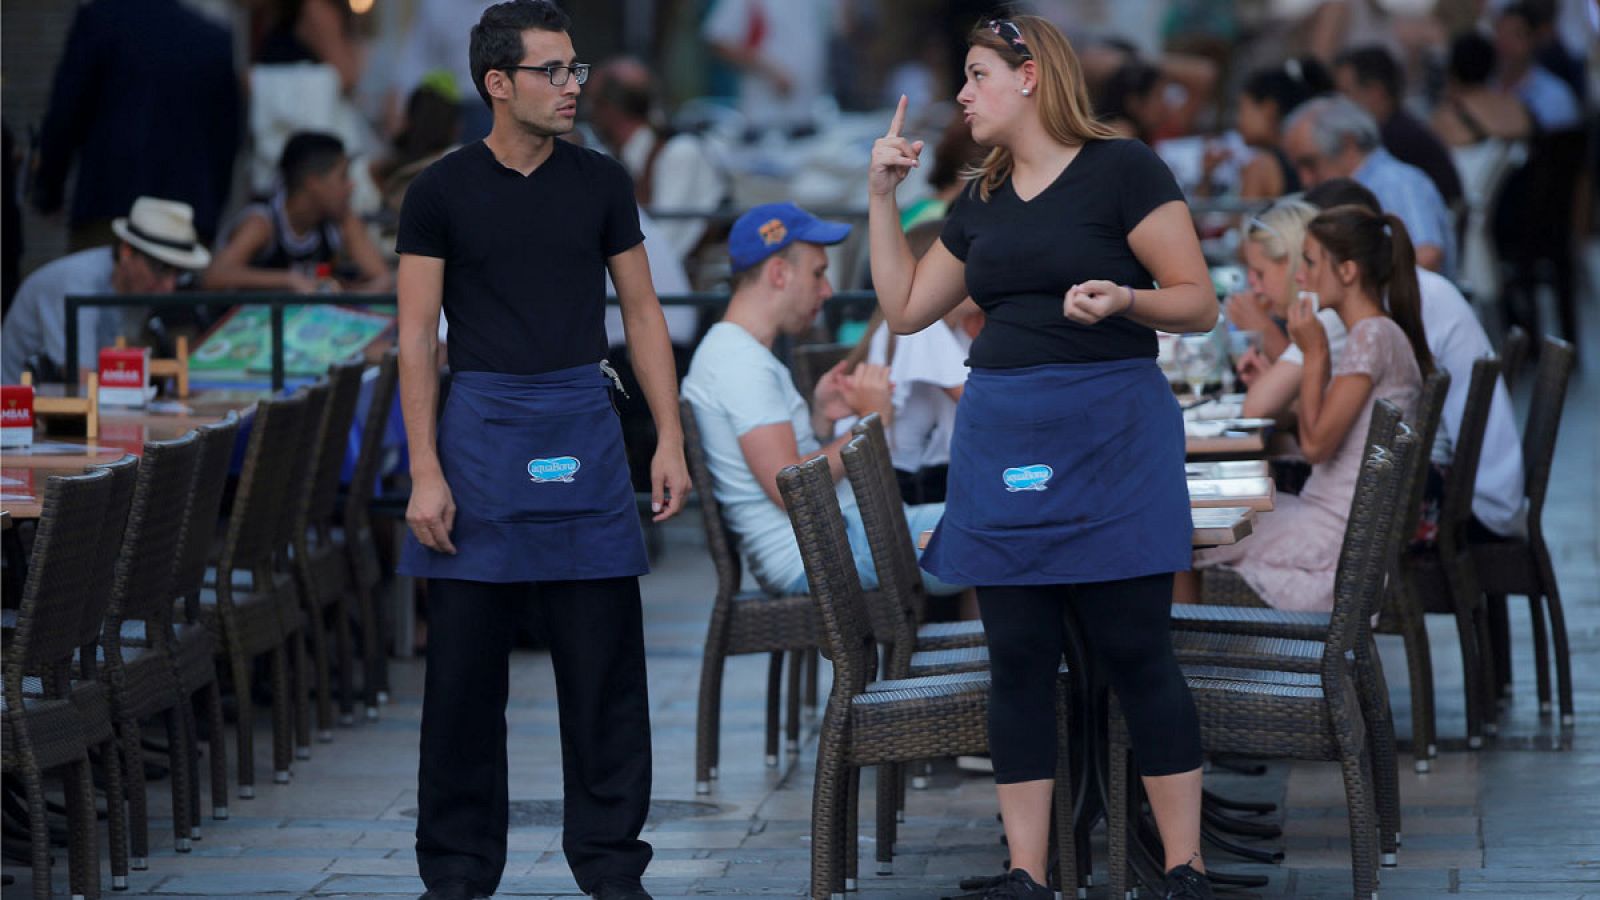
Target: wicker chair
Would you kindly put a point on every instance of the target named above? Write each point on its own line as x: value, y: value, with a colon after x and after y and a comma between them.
x: 1442, y: 579
x: 1294, y: 642
x: 293, y: 621
x: 140, y: 678
x: 1514, y: 350
x: 741, y: 622
x: 45, y: 725
x: 318, y: 561
x: 194, y: 647
x: 873, y: 724
x: 1288, y: 715
x: 354, y: 533
x: 244, y: 613
x: 1522, y: 565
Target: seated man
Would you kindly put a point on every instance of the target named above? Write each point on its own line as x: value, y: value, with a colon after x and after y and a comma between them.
x: 277, y: 245
x: 156, y: 242
x: 754, y: 422
x: 1457, y: 340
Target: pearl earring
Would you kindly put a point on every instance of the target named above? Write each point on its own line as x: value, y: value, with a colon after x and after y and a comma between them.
x: 1026, y: 92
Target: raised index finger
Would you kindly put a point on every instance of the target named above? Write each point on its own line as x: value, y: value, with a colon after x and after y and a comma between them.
x: 899, y: 118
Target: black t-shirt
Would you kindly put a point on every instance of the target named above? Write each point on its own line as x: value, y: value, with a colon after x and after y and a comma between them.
x: 525, y: 256
x: 1022, y: 257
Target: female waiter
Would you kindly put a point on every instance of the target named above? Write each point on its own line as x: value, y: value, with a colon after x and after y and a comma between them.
x: 1066, y: 472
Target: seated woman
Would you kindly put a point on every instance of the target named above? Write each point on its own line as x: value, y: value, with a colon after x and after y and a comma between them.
x: 1352, y: 259
x: 1268, y: 97
x: 1272, y: 252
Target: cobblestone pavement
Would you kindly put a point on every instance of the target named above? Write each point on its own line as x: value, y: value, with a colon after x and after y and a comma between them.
x: 1521, y: 817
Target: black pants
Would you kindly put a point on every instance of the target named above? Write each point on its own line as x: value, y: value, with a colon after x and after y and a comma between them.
x: 597, y: 647
x: 1126, y: 626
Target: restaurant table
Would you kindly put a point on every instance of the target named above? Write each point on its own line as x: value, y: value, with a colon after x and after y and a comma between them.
x: 1229, y: 443
x: 19, y: 498
x: 1256, y: 493
x: 1229, y: 468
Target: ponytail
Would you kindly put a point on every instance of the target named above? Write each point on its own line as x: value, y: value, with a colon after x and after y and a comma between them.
x: 1405, y: 294
x: 1380, y: 246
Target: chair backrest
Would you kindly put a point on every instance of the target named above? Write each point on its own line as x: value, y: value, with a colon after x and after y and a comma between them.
x: 809, y: 362
x: 380, y: 400
x: 263, y: 486
x: 331, y: 439
x: 1455, y: 511
x: 889, y: 608
x: 142, y: 587
x: 808, y: 494
x: 113, y: 526
x: 300, y: 474
x: 1556, y: 358
x: 1513, y: 351
x: 209, y: 481
x: 1365, y: 557
x: 904, y: 551
x: 1414, y: 481
x: 720, y: 540
x: 63, y: 573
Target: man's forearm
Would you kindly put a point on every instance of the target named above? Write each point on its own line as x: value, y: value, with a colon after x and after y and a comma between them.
x: 419, y: 398
x: 650, y: 349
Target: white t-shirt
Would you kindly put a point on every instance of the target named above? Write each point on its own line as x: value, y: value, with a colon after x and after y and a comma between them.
x: 37, y: 319
x: 735, y: 385
x: 793, y: 36
x: 1457, y: 340
x: 686, y: 179
x: 924, y: 365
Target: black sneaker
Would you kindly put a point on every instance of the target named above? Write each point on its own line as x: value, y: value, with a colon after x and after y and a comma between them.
x: 454, y: 890
x: 1184, y: 883
x: 620, y: 889
x: 1018, y: 885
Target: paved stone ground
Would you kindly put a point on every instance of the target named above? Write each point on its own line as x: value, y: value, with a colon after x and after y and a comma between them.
x: 1520, y: 817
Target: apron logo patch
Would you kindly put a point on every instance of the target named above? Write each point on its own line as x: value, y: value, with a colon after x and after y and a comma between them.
x: 560, y: 468
x: 1027, y: 478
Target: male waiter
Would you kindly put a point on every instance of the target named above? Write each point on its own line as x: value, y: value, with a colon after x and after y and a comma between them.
x: 520, y: 489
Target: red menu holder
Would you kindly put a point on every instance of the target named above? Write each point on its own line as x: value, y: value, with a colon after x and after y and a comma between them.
x: 124, y: 376
x: 16, y: 415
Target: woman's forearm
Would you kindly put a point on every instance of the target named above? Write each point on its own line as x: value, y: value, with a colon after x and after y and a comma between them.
x: 1180, y: 308
x: 893, y: 265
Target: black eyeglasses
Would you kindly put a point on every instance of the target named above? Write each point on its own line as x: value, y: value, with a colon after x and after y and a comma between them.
x: 1012, y: 35
x: 560, y: 74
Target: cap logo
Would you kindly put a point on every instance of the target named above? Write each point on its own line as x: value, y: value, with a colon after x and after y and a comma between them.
x: 773, y: 232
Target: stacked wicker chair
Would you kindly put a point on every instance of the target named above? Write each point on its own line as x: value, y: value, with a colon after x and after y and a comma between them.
x: 1295, y: 642
x: 1442, y: 579
x: 140, y: 678
x: 318, y: 561
x: 243, y: 613
x: 1522, y: 565
x: 741, y: 622
x: 1269, y: 714
x: 873, y: 724
x: 47, y: 725
x: 354, y: 533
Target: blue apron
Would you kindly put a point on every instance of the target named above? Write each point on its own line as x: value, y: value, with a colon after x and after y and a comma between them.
x: 536, y: 466
x: 1064, y: 474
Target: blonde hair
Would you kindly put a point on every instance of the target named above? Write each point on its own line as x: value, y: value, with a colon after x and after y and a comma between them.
x: 1063, y: 97
x: 1280, y: 232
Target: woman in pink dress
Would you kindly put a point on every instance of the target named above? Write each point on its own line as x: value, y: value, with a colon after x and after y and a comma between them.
x: 1353, y: 260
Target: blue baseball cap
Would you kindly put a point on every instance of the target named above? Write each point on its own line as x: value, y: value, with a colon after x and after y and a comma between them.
x: 770, y: 227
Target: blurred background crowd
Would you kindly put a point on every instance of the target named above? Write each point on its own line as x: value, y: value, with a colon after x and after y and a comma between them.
x: 716, y: 105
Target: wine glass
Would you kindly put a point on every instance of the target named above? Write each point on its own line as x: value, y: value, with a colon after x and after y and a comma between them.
x: 1198, y: 358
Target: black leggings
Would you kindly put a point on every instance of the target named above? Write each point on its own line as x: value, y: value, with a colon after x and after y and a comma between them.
x: 1125, y: 625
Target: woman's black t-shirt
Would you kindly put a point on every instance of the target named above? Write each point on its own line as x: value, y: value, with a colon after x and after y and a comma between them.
x: 1022, y: 257
x: 524, y: 256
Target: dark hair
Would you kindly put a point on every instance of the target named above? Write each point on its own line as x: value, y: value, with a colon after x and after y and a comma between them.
x: 955, y: 152
x: 497, y: 38
x: 433, y: 124
x: 1343, y: 192
x: 1288, y: 84
x: 1533, y: 15
x: 1374, y: 63
x: 633, y: 100
x: 308, y: 153
x: 1471, y: 59
x: 1381, y: 248
x: 1134, y: 79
